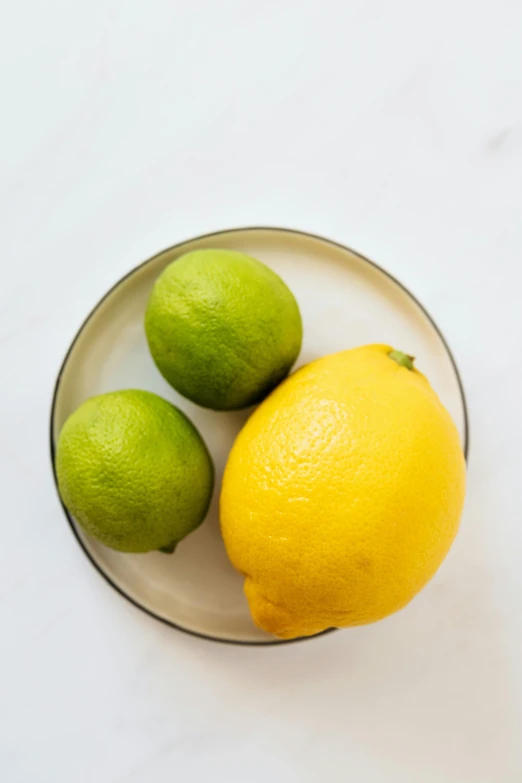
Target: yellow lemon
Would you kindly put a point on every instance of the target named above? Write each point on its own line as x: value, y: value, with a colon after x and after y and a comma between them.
x: 342, y: 494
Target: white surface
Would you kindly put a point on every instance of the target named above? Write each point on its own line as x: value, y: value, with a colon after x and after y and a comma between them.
x: 393, y: 127
x: 344, y: 301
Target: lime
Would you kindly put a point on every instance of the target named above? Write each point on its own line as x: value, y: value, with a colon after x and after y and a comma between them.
x: 223, y: 328
x: 133, y: 471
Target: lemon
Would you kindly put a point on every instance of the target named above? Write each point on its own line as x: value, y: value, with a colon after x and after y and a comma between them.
x: 133, y: 471
x: 223, y: 328
x: 342, y: 494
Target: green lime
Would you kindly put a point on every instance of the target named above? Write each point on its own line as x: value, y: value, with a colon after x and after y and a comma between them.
x: 223, y: 328
x: 134, y: 471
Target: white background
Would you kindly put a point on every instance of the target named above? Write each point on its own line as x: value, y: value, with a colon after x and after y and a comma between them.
x: 394, y: 127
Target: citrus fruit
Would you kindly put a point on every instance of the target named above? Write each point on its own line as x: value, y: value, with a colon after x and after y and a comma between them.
x: 133, y: 471
x: 342, y: 493
x: 223, y: 328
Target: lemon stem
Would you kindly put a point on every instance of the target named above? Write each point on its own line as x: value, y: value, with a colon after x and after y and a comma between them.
x: 402, y: 358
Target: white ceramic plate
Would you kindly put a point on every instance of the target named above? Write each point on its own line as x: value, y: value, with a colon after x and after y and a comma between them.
x: 345, y: 301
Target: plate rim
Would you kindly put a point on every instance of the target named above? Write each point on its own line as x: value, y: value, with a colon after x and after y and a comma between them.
x: 56, y: 387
